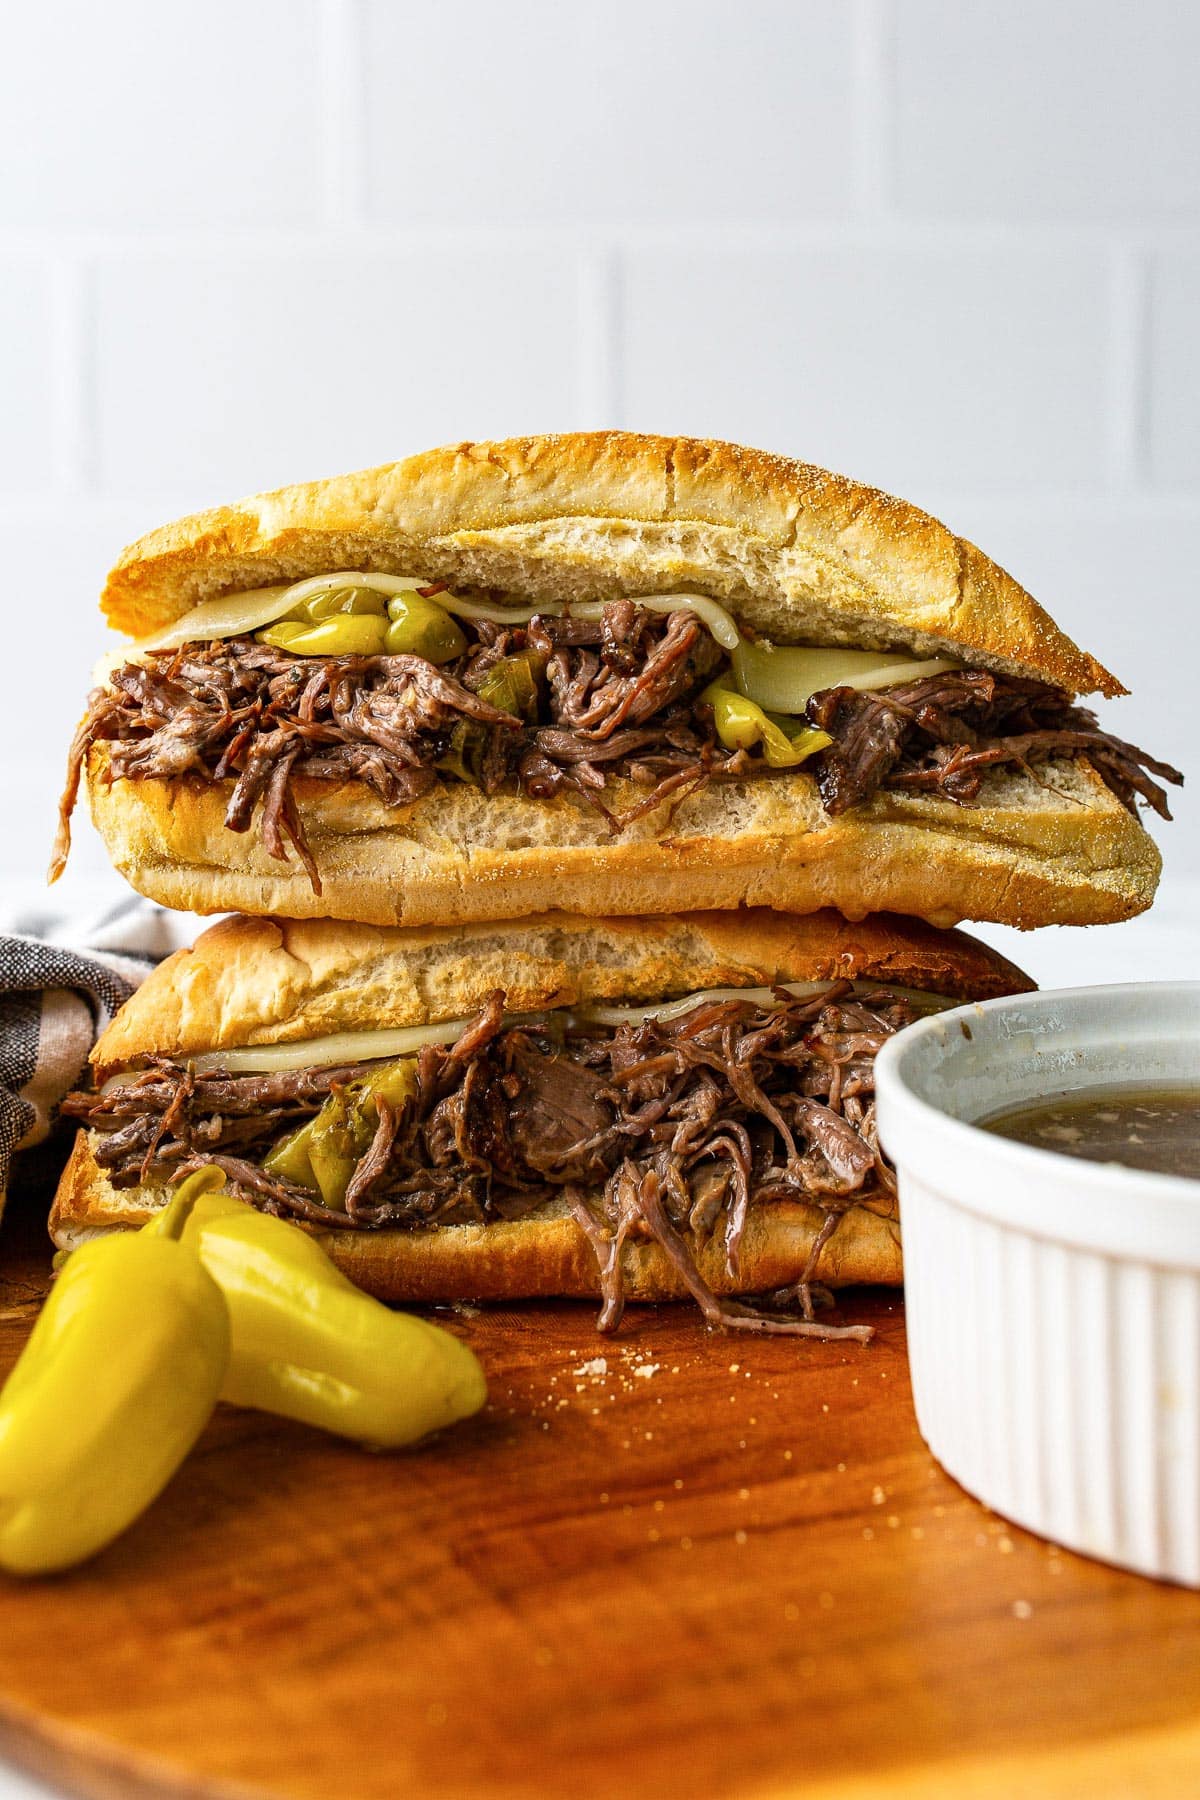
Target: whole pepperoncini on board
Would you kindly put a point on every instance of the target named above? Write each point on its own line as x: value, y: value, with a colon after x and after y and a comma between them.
x: 308, y: 1344
x: 144, y: 1331
x: 115, y: 1384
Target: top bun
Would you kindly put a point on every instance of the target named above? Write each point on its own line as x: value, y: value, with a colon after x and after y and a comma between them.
x: 275, y: 981
x: 801, y: 555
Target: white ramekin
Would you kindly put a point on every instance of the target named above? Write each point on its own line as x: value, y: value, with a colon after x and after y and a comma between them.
x: 1053, y: 1304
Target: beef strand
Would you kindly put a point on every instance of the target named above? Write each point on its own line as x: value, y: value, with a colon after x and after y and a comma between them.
x: 944, y: 732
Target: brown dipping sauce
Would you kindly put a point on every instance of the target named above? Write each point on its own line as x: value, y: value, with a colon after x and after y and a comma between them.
x: 1142, y: 1128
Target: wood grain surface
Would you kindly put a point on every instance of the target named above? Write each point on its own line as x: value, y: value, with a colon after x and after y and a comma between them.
x: 715, y: 1566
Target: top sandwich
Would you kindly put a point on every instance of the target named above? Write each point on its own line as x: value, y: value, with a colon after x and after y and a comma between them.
x: 604, y: 672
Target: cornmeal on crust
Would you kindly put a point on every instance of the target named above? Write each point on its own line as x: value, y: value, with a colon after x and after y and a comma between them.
x: 544, y: 1255
x: 274, y: 981
x: 798, y: 553
x: 1058, y: 850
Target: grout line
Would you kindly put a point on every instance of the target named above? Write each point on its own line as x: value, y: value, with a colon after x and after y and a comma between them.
x: 340, y: 113
x: 619, y: 319
x: 72, y: 392
x: 874, y: 107
x: 1093, y: 503
x: 1129, y: 303
x: 113, y: 507
x: 1037, y: 504
x: 597, y: 381
x: 354, y: 233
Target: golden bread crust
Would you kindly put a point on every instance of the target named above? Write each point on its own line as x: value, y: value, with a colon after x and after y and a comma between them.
x: 543, y: 1256
x: 797, y: 552
x: 271, y: 981
x: 1058, y: 850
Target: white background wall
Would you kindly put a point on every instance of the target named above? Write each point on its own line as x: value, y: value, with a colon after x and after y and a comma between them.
x: 950, y: 246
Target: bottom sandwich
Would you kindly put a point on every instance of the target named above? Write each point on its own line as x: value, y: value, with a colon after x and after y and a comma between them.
x: 637, y: 1109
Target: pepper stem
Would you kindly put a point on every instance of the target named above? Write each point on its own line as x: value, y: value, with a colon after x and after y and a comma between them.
x: 171, y: 1221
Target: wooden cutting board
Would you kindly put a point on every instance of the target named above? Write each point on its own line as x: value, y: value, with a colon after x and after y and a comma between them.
x: 670, y: 1564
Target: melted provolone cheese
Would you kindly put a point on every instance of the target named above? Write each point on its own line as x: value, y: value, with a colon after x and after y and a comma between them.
x: 786, y: 676
x: 408, y: 1040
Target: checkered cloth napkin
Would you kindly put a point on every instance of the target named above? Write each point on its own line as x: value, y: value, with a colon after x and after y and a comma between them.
x: 61, y: 981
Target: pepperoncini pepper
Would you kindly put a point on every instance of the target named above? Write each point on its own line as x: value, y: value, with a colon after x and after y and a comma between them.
x: 740, y: 725
x: 308, y: 1344
x: 354, y: 621
x: 343, y: 634
x: 420, y: 627
x: 337, y: 600
x: 114, y: 1386
x: 463, y: 756
x: 512, y: 684
x: 344, y: 621
x: 326, y: 1150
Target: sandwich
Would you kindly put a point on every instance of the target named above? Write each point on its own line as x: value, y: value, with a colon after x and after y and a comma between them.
x: 602, y: 673
x: 625, y: 1108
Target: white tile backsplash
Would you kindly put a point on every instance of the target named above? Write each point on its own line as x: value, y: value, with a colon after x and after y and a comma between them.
x: 680, y: 110
x: 953, y: 249
x: 1060, y: 109
x: 26, y: 376
x: 1173, y: 406
x: 212, y: 382
x: 905, y: 367
x: 135, y: 115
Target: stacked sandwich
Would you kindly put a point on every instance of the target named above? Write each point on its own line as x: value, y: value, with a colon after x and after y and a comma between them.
x: 595, y: 807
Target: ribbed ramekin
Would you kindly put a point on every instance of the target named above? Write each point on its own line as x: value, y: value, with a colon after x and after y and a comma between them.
x: 1053, y: 1305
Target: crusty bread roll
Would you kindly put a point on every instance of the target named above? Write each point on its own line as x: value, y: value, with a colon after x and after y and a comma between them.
x: 802, y: 555
x: 793, y: 551
x: 280, y: 981
x: 273, y: 981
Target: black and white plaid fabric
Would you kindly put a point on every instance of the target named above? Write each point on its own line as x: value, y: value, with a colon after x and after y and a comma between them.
x: 59, y: 987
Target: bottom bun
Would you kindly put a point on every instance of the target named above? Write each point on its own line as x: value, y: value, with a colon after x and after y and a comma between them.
x: 1056, y: 850
x: 545, y: 1255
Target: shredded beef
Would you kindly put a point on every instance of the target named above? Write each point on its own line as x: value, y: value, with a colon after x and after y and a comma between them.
x: 375, y: 1162
x: 944, y: 732
x: 666, y: 1131
x: 618, y: 700
x: 153, y: 1090
x: 556, y: 1110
